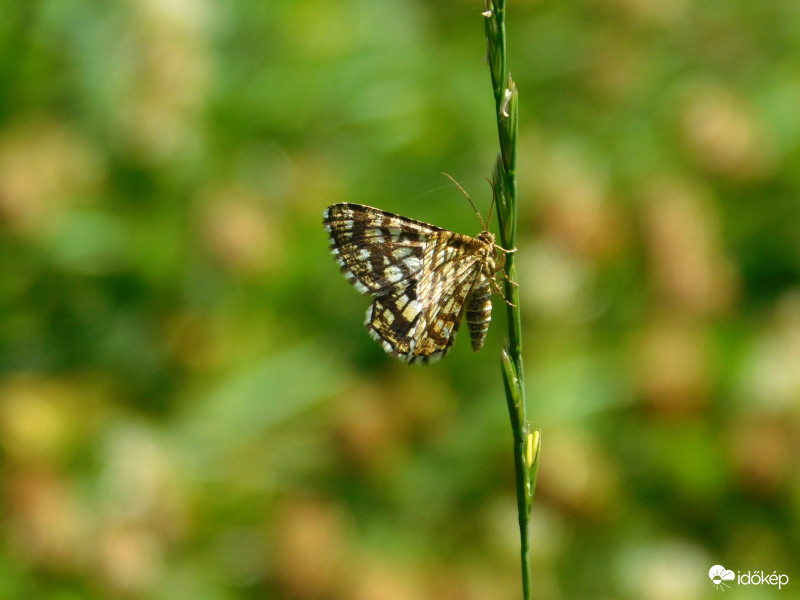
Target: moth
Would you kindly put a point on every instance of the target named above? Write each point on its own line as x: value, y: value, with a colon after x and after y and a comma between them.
x: 424, y: 278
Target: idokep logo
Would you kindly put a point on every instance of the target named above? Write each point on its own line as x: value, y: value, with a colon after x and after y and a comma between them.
x: 719, y: 575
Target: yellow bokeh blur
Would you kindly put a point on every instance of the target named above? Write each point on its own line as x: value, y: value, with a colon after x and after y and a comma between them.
x: 190, y: 406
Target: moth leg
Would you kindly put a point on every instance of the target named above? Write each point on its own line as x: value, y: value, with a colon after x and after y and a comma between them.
x: 509, y: 280
x: 496, y: 288
x: 504, y: 250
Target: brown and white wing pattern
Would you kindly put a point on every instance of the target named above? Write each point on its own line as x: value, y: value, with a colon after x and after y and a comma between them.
x: 377, y: 251
x: 423, y: 278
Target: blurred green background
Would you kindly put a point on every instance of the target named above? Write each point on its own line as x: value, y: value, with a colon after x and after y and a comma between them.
x: 189, y: 404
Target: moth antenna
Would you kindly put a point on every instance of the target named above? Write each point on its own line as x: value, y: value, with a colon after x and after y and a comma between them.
x: 468, y: 198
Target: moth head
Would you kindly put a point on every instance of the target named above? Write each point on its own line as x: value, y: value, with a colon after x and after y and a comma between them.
x: 487, y: 237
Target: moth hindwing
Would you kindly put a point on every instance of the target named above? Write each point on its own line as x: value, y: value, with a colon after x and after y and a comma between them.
x: 424, y: 278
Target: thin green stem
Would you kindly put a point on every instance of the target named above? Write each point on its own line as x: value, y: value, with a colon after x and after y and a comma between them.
x: 504, y: 182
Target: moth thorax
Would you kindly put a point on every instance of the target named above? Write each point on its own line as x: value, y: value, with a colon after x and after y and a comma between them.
x: 490, y: 254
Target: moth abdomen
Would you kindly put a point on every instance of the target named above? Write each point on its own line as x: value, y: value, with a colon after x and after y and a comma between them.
x: 479, y: 314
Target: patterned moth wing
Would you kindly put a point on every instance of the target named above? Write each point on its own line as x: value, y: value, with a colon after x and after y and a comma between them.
x: 423, y: 278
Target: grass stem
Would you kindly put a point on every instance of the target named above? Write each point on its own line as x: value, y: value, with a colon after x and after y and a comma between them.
x: 504, y: 183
